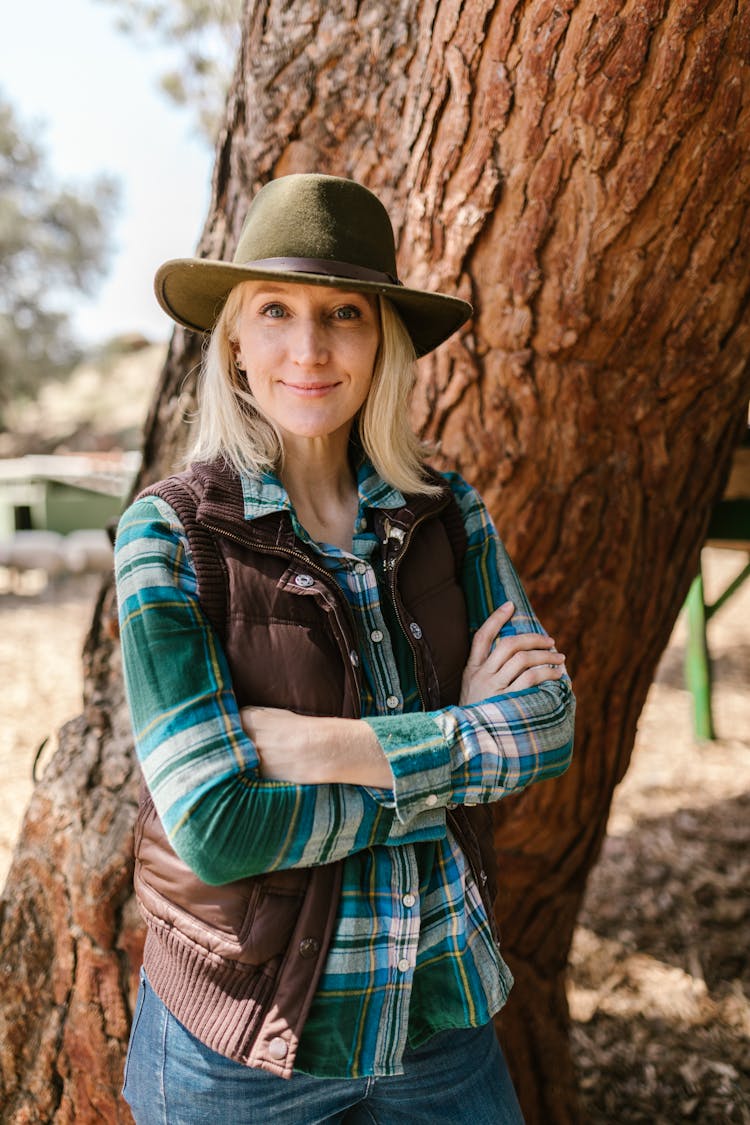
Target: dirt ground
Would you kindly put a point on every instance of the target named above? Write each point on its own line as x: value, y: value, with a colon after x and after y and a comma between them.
x: 660, y: 970
x: 660, y: 967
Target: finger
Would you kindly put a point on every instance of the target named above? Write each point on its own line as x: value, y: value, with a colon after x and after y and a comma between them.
x: 538, y: 675
x: 249, y: 717
x: 506, y: 647
x: 509, y: 670
x: 521, y: 661
x: 487, y: 633
x: 256, y: 720
x: 261, y: 714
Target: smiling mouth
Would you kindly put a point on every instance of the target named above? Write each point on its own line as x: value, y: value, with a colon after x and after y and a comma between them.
x: 310, y: 390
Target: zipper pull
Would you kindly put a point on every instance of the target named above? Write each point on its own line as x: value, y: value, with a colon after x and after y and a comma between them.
x: 393, y: 535
x: 393, y: 532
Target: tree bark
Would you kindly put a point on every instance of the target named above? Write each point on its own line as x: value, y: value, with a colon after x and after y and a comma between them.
x: 580, y: 172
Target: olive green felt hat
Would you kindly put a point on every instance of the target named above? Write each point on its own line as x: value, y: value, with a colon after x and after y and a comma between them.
x: 316, y: 230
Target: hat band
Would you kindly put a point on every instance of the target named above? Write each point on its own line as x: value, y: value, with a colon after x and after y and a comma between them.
x: 322, y: 265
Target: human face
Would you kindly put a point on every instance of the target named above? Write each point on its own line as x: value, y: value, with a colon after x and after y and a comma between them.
x: 309, y: 353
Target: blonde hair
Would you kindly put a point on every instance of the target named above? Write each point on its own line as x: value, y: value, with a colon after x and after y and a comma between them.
x: 231, y: 425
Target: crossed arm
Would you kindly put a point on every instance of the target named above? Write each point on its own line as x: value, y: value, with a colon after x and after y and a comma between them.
x: 346, y: 751
x: 381, y: 780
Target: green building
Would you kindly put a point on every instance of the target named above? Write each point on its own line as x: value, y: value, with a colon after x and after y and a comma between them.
x: 64, y: 492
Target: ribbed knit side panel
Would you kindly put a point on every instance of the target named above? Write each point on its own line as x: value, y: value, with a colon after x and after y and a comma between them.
x: 179, y: 493
x: 219, y: 1002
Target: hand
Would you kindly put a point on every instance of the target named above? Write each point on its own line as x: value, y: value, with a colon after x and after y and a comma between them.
x: 280, y: 739
x: 515, y: 662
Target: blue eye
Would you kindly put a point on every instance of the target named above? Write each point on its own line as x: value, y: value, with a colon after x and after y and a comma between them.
x: 347, y: 312
x: 275, y: 311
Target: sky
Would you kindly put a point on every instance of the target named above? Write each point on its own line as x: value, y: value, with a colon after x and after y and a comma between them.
x: 90, y: 96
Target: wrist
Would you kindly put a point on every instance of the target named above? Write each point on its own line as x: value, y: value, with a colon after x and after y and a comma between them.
x: 347, y: 752
x: 323, y: 751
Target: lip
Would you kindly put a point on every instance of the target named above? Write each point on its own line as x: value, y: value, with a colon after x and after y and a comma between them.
x: 309, y: 390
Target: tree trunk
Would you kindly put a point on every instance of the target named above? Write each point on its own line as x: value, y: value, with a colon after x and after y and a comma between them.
x: 580, y: 172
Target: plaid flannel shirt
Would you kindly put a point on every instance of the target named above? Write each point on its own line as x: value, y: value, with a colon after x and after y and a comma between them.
x: 412, y: 953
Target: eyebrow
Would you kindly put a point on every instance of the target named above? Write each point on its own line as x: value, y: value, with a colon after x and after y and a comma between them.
x: 284, y: 287
x: 267, y: 286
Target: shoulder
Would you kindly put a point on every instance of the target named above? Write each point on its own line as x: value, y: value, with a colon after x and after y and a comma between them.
x: 150, y: 535
x: 453, y: 483
x: 166, y: 504
x: 474, y: 513
x: 146, y: 514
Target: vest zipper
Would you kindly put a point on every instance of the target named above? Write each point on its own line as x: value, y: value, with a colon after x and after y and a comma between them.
x: 403, y: 539
x: 291, y: 552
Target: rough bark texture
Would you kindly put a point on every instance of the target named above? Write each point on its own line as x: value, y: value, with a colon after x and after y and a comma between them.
x: 580, y: 171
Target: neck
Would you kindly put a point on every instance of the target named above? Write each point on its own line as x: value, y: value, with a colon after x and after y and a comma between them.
x: 321, y: 486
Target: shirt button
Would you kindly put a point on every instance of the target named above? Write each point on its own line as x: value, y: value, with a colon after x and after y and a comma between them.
x: 277, y: 1049
x: 360, y: 568
x: 392, y: 703
x: 362, y: 524
x: 376, y: 635
x: 431, y: 800
x: 408, y: 900
x: 415, y: 631
x: 304, y: 580
x: 354, y: 659
x: 403, y: 965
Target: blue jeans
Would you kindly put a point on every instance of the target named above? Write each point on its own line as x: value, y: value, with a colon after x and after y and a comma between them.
x: 171, y: 1078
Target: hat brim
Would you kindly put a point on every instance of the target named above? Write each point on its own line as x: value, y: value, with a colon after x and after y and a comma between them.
x: 192, y: 291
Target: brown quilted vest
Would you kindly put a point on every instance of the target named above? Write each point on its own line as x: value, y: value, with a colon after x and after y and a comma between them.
x: 238, y: 964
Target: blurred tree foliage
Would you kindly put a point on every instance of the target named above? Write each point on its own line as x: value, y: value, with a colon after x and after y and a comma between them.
x: 205, y: 34
x: 53, y: 241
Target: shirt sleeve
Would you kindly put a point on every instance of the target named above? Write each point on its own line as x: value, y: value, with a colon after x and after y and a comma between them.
x: 484, y: 751
x: 222, y: 818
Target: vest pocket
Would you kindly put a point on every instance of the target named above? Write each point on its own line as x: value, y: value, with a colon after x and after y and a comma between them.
x: 249, y: 921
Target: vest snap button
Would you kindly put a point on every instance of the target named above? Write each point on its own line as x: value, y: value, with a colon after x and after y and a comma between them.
x: 309, y: 947
x: 354, y: 659
x: 415, y: 630
x: 277, y: 1049
x: 304, y: 580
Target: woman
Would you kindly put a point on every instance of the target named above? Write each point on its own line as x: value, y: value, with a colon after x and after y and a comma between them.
x: 328, y: 659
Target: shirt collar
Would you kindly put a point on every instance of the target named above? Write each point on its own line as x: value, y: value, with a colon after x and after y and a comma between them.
x: 264, y: 493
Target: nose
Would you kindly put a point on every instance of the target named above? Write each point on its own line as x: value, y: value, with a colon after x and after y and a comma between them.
x: 309, y: 347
